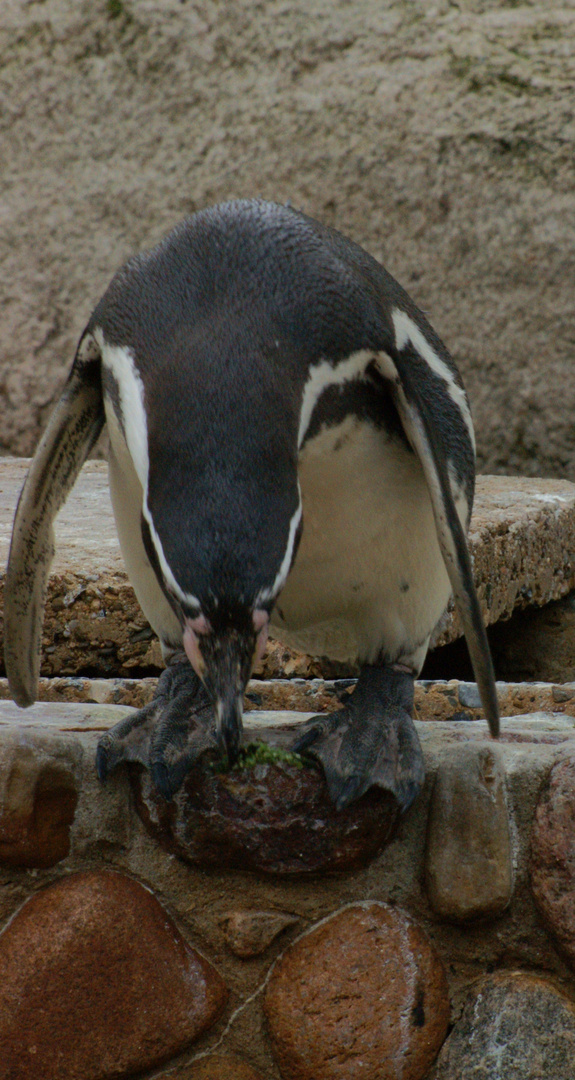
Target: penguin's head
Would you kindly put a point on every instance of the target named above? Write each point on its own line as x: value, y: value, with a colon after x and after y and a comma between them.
x: 223, y: 647
x: 222, y: 564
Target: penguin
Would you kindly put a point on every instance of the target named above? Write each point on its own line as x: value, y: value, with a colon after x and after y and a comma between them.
x: 291, y: 451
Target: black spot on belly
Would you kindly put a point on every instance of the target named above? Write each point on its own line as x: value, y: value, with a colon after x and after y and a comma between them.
x: 418, y: 1012
x: 404, y: 586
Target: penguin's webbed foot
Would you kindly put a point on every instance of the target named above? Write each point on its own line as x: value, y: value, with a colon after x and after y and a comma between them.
x: 371, y: 741
x: 168, y: 735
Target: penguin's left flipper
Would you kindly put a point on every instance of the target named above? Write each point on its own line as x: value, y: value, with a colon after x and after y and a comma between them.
x: 372, y: 741
x: 73, y: 429
x: 168, y: 735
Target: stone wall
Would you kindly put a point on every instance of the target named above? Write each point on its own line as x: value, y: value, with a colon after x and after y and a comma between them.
x: 440, y: 136
x: 130, y: 946
x: 246, y: 930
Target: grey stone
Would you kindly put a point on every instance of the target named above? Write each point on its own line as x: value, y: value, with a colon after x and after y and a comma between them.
x: 469, y: 695
x: 514, y: 1027
x: 468, y: 860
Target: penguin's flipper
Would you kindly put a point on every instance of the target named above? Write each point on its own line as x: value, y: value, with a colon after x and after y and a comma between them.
x: 424, y: 434
x: 168, y: 735
x: 73, y: 429
x: 372, y: 741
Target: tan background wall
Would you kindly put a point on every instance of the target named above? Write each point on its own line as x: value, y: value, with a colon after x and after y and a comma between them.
x: 440, y: 136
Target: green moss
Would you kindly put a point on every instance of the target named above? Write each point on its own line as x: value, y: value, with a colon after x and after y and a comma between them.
x: 258, y: 753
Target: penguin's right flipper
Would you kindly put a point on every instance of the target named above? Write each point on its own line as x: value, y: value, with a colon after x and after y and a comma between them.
x: 168, y: 735
x: 424, y: 434
x: 73, y: 429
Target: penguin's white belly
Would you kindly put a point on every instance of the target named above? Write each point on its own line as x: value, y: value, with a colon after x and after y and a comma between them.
x: 369, y: 578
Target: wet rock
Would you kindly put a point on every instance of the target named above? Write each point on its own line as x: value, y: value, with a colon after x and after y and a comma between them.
x: 38, y: 798
x: 249, y: 933
x: 362, y: 995
x: 553, y: 855
x: 97, y: 982
x: 273, y: 818
x: 514, y: 1026
x: 468, y: 856
x: 215, y: 1067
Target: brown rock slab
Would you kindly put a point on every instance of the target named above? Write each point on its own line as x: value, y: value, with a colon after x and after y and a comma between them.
x: 97, y: 982
x: 514, y: 1026
x: 38, y: 798
x: 521, y: 537
x: 215, y: 1067
x: 553, y: 855
x: 468, y: 857
x: 249, y: 933
x: 538, y: 643
x: 272, y: 818
x: 363, y: 994
x: 522, y: 534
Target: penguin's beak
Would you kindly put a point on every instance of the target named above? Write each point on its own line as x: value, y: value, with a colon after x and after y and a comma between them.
x: 223, y: 660
x: 229, y: 726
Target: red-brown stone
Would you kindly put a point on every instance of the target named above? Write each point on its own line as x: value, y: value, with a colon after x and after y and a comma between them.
x: 270, y: 818
x: 36, y: 809
x: 553, y: 855
x: 97, y: 982
x: 362, y: 996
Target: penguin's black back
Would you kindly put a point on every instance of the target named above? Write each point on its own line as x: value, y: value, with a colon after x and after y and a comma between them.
x: 225, y: 319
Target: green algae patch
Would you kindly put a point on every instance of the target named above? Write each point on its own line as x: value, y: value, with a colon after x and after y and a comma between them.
x: 260, y: 753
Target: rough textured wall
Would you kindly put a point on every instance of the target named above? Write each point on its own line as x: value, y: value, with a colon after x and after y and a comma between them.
x: 439, y: 136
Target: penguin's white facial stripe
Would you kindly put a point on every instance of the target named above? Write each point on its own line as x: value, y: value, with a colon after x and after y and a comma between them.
x: 266, y: 595
x: 323, y: 375
x: 406, y: 330
x: 119, y: 361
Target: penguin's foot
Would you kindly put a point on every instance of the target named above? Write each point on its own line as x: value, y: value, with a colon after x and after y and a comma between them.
x: 371, y: 741
x: 168, y: 735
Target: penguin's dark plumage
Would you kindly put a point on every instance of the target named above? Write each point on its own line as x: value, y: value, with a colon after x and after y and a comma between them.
x: 291, y: 446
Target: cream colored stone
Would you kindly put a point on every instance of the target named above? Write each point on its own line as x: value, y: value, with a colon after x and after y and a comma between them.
x: 468, y: 859
x: 249, y: 933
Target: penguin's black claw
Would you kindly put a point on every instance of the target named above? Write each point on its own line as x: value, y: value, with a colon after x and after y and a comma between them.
x: 167, y: 736
x: 372, y: 741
